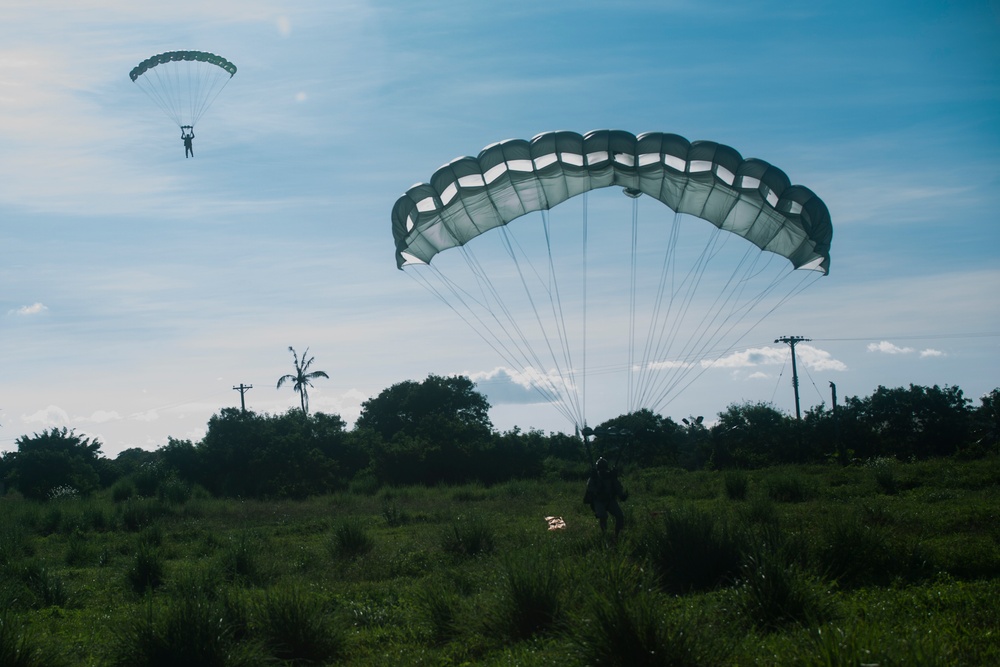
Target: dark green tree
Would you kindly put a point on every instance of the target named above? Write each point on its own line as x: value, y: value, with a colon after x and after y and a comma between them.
x: 418, y: 408
x: 643, y: 436
x: 263, y: 456
x: 905, y: 422
x: 752, y: 435
x: 302, y: 379
x: 55, y: 458
x: 431, y: 431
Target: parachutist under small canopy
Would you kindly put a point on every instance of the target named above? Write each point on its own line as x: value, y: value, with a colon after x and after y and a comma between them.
x: 187, y: 135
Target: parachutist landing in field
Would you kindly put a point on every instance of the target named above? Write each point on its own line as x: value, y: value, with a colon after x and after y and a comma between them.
x: 187, y: 136
x: 604, y: 490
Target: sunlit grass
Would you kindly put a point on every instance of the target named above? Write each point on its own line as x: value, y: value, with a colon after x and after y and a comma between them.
x: 831, y: 570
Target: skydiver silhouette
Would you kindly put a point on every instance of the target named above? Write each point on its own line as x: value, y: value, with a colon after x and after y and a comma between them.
x: 187, y: 134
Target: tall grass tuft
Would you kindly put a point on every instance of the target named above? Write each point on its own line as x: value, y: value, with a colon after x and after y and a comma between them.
x: 787, y: 487
x: 190, y: 629
x: 884, y: 473
x: 441, y: 605
x: 469, y: 535
x: 296, y: 628
x: 20, y: 648
x: 774, y: 591
x: 242, y: 559
x: 629, y: 625
x: 736, y: 484
x: 350, y: 539
x: 861, y: 644
x: 531, y: 597
x: 692, y: 550
x: 146, y: 570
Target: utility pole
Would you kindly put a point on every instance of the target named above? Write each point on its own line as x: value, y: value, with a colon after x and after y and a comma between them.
x: 841, y: 454
x: 243, y: 388
x: 791, y: 341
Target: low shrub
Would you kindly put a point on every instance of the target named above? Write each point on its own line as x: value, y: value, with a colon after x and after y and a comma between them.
x: 350, y: 539
x: 296, y: 628
x: 146, y: 570
x: 469, y: 535
x: 692, y: 550
x: 531, y: 597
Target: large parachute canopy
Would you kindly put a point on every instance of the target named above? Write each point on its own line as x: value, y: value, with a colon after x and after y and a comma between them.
x: 183, y: 83
x: 678, y: 293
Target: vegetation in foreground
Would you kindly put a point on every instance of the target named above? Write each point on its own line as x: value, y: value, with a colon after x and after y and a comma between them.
x: 883, y: 563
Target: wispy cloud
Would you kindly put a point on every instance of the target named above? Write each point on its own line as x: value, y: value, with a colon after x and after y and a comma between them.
x: 34, y: 309
x: 809, y: 356
x: 885, y: 347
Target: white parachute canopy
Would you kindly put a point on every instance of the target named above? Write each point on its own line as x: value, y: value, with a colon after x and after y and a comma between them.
x: 678, y: 285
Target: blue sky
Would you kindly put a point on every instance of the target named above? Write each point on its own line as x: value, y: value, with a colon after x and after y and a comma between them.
x: 138, y: 287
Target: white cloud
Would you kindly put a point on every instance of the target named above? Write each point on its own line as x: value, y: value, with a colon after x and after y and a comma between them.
x: 503, y: 385
x: 284, y: 26
x: 931, y: 352
x: 885, y: 347
x: 33, y: 309
x: 101, y: 417
x: 808, y: 356
x: 48, y: 416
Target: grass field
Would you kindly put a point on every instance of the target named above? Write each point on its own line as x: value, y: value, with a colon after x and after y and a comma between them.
x: 887, y: 563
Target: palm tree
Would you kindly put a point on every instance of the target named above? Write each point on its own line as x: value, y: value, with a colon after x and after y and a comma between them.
x: 302, y: 378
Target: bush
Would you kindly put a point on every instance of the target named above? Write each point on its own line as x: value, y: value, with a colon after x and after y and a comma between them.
x: 692, y: 551
x: 242, y: 559
x: 531, y: 597
x: 787, y: 488
x: 469, y: 535
x: 631, y: 626
x: 442, y: 607
x: 296, y: 628
x: 350, y: 539
x: 736, y: 483
x: 191, y: 629
x: 20, y: 648
x: 774, y: 591
x: 146, y: 570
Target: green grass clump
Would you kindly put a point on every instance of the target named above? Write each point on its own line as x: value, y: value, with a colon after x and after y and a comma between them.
x: 736, y: 483
x: 469, y: 535
x: 531, y: 597
x: 297, y: 629
x: 775, y: 591
x: 350, y: 539
x: 626, y: 623
x: 692, y: 550
x: 19, y: 647
x: 146, y: 570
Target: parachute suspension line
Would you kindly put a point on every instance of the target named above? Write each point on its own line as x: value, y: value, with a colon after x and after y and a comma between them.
x: 630, y: 405
x: 583, y: 371
x: 709, y: 331
x: 509, y: 245
x: 559, y: 317
x: 171, y: 87
x: 804, y: 282
x: 681, y: 298
x: 667, y: 275
x: 527, y: 356
x: 469, y: 312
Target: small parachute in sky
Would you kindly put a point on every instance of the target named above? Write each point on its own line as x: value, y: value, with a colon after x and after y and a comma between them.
x: 183, y: 83
x: 569, y: 284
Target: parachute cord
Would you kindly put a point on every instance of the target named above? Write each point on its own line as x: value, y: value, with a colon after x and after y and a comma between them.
x: 468, y: 313
x: 583, y: 379
x: 632, y: 306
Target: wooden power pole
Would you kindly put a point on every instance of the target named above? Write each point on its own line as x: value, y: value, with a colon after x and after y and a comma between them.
x: 243, y: 388
x: 791, y: 342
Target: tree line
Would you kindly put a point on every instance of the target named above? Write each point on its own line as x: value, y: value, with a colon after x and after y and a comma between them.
x: 438, y: 431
